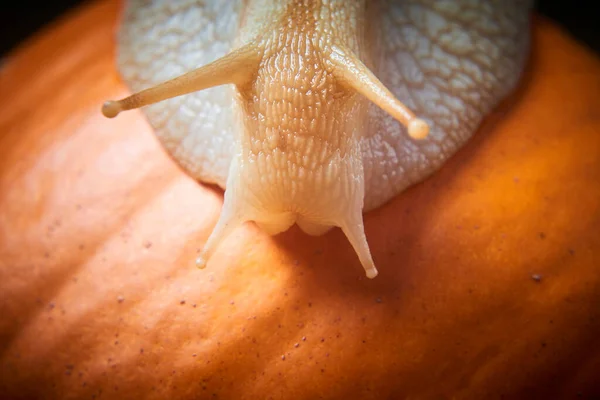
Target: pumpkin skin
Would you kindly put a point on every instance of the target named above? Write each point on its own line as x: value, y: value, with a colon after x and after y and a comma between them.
x: 98, y: 230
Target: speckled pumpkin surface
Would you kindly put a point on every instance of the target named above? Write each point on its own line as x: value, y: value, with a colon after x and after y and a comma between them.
x: 489, y: 280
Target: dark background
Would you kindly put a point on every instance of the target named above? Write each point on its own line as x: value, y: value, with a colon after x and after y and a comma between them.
x: 24, y: 17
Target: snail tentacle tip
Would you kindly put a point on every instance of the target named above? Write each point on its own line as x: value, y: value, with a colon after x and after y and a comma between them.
x: 418, y: 129
x: 200, y: 262
x: 111, y: 109
x: 371, y: 272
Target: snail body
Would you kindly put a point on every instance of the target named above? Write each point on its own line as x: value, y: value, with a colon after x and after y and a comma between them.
x: 313, y: 112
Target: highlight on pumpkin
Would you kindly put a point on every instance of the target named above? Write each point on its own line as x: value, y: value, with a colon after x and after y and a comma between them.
x: 236, y: 67
x: 354, y: 73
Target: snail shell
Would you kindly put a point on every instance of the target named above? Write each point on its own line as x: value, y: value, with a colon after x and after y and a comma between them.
x: 313, y: 112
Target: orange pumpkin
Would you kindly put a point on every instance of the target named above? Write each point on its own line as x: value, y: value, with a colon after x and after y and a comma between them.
x: 489, y: 280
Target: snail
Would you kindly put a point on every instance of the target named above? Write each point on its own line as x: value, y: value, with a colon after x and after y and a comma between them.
x: 315, y: 112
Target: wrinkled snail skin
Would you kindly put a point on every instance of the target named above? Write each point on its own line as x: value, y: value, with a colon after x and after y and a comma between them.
x: 313, y: 112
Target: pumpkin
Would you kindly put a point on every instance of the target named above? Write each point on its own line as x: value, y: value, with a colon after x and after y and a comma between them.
x: 489, y: 280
